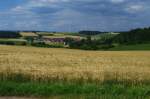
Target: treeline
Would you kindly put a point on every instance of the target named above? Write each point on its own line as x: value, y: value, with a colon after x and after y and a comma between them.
x: 89, y: 44
x: 90, y: 32
x: 135, y: 36
x: 9, y: 34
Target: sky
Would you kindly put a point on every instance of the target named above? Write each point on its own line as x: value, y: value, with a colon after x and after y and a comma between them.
x: 74, y: 15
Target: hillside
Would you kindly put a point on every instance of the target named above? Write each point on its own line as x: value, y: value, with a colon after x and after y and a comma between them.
x: 135, y: 36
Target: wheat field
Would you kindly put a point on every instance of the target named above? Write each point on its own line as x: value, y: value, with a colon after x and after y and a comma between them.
x: 69, y: 64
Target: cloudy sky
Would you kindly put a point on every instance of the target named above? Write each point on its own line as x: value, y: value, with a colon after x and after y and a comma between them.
x: 74, y: 15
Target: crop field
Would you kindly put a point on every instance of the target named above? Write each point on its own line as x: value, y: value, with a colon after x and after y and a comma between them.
x: 60, y: 36
x: 31, y: 71
x: 24, y: 34
x: 67, y: 64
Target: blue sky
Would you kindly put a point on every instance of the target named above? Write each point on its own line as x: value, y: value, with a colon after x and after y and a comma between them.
x: 74, y: 15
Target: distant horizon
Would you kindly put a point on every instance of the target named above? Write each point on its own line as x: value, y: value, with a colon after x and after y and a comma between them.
x: 74, y: 31
x: 58, y: 31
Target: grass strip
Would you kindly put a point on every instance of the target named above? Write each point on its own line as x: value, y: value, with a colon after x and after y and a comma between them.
x: 12, y: 88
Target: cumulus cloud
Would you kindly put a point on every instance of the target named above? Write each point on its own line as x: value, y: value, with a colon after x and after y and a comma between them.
x: 135, y: 8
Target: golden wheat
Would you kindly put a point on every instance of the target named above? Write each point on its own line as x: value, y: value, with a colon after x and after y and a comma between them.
x: 68, y: 64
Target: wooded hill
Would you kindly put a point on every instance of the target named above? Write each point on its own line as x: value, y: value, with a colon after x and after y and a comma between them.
x: 135, y: 36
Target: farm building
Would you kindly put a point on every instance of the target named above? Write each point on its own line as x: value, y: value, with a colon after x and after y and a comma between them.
x: 59, y: 39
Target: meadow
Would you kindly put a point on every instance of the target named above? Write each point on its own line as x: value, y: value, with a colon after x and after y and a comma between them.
x: 133, y: 47
x: 45, y: 71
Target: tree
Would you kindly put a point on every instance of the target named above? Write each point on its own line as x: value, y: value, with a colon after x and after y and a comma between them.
x: 30, y: 40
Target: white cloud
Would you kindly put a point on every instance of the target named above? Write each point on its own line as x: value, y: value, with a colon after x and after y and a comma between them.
x: 117, y: 1
x: 20, y: 9
x: 135, y: 8
x: 37, y: 3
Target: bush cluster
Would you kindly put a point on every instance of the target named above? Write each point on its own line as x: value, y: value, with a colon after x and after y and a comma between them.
x: 43, y: 44
x: 89, y: 44
x: 13, y: 42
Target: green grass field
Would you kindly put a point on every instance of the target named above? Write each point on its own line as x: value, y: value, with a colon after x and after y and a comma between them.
x: 13, y: 40
x: 16, y: 88
x: 131, y: 47
x: 104, y: 35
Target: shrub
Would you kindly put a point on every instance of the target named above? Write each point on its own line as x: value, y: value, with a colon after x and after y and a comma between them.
x: 43, y: 44
x: 13, y: 42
